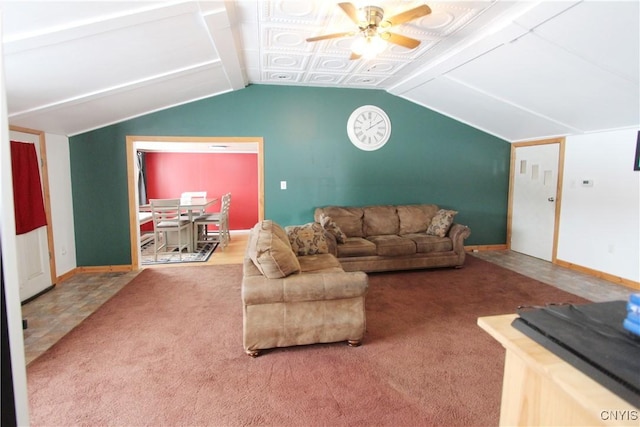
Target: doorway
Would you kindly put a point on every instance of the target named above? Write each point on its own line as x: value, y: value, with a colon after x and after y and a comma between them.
x: 535, y: 189
x: 35, y: 249
x: 181, y: 145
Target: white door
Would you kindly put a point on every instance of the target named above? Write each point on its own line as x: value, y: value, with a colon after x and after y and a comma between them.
x: 34, y: 270
x: 33, y: 262
x: 535, y: 182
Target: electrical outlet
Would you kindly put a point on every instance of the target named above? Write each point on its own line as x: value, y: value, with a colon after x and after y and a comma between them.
x: 283, y: 185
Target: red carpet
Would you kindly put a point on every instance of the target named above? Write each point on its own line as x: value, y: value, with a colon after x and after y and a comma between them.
x: 167, y: 350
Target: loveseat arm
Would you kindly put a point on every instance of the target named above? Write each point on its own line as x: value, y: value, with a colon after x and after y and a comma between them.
x: 304, y: 287
x: 458, y: 233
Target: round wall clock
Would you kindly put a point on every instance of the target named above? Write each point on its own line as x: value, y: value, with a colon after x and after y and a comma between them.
x: 369, y: 127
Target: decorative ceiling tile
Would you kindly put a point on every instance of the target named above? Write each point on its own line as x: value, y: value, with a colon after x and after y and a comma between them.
x: 339, y: 47
x: 283, y: 38
x: 294, y: 11
x: 285, y: 61
x: 437, y: 21
x: 364, y: 80
x: 380, y: 67
x: 323, y: 79
x: 282, y: 77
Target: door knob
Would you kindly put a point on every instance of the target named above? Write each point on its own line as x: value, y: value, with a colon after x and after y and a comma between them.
x: 551, y: 199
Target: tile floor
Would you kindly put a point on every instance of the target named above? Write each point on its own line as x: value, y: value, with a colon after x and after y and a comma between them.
x: 55, y: 313
x: 50, y: 316
x: 584, y: 285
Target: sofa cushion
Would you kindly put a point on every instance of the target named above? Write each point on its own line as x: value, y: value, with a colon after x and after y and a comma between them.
x: 271, y: 251
x: 426, y: 243
x: 331, y: 227
x: 415, y: 218
x: 307, y: 239
x: 347, y: 218
x: 380, y: 220
x: 322, y: 263
x: 441, y: 223
x: 393, y: 245
x: 356, y: 246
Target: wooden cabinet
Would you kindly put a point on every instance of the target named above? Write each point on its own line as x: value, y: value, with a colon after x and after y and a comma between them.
x: 539, y: 388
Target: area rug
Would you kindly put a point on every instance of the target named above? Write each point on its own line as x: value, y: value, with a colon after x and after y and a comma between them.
x: 202, y: 255
x: 167, y: 351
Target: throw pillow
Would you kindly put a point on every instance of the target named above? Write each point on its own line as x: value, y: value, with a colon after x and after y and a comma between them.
x: 441, y: 223
x: 331, y: 226
x: 307, y: 239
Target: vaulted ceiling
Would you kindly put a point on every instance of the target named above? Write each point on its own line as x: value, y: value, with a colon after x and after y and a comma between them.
x: 516, y: 69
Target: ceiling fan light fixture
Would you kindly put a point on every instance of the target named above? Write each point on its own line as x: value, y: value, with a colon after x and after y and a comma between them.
x: 372, y: 29
x: 368, y: 46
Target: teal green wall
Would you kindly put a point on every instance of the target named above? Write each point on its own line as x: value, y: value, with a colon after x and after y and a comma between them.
x: 429, y: 159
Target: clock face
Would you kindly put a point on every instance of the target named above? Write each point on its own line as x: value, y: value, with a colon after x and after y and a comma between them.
x: 369, y: 128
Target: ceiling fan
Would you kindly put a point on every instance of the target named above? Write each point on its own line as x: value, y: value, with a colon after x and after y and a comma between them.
x: 373, y: 28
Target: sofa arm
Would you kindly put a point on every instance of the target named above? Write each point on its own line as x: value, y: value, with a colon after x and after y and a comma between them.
x: 304, y: 287
x: 458, y: 233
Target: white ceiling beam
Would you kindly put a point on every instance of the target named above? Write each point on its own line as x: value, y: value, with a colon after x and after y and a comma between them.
x: 219, y: 18
x: 99, y: 24
x: 131, y: 85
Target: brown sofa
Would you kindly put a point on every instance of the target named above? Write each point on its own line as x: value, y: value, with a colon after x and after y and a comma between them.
x: 292, y: 299
x: 393, y: 237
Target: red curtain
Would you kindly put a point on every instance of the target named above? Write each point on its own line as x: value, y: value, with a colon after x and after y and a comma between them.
x: 27, y: 189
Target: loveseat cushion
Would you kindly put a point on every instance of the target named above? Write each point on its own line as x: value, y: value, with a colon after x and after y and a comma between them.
x: 270, y: 250
x: 307, y: 239
x: 426, y: 244
x: 355, y: 247
x: 349, y: 219
x: 441, y: 223
x: 415, y: 218
x: 380, y: 220
x: 392, y: 245
x: 321, y: 263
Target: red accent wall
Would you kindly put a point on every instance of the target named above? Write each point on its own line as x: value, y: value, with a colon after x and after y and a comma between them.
x: 170, y: 174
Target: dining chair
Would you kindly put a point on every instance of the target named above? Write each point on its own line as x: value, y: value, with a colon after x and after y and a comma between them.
x: 167, y: 219
x: 219, y: 220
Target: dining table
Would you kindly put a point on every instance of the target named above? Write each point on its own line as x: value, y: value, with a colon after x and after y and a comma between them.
x: 192, y: 207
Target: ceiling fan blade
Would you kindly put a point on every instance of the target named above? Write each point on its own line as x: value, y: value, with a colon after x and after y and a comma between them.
x: 401, y: 40
x: 408, y: 15
x: 330, y: 36
x: 355, y: 56
x: 351, y: 11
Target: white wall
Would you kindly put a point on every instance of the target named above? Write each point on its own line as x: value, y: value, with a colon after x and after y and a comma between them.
x: 59, y: 167
x: 9, y: 246
x: 600, y: 225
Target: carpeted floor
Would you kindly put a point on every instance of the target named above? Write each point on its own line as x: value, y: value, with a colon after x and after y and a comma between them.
x: 167, y: 350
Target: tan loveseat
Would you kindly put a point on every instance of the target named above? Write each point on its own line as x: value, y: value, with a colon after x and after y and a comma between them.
x: 393, y: 237
x: 291, y: 299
